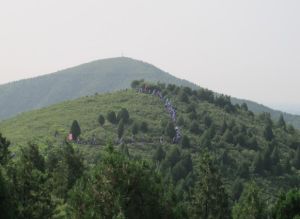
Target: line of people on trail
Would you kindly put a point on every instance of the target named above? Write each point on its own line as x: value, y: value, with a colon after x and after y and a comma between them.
x: 168, y: 106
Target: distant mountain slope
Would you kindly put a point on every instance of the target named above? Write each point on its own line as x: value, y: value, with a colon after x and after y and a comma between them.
x: 259, y: 108
x: 100, y: 76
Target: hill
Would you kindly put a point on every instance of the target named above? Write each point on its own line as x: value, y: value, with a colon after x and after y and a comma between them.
x: 247, y: 147
x: 100, y: 76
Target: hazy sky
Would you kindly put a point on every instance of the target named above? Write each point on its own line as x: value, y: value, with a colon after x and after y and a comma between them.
x: 248, y: 49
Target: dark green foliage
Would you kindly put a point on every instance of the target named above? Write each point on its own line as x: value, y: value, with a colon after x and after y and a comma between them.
x: 111, y: 117
x: 65, y: 166
x: 237, y: 189
x: 243, y: 170
x: 116, y: 177
x: 193, y: 116
x: 281, y: 123
x: 123, y: 114
x: 228, y: 137
x: 4, y: 151
x: 136, y: 83
x: 210, y: 198
x: 124, y: 150
x: 207, y: 121
x: 266, y: 118
x: 74, y: 162
x: 144, y: 127
x: 191, y: 108
x: 268, y: 133
x: 30, y: 183
x: 224, y: 101
x: 195, y: 129
x: 296, y: 160
x: 286, y: 166
x: 135, y: 128
x: 121, y: 129
x: 159, y: 154
x: 101, y: 120
x: 250, y: 204
x: 170, y: 130
x: 180, y: 121
x: 173, y: 156
x: 183, y: 97
x: 244, y: 106
x: 75, y: 129
x: 288, y: 205
x: 178, y: 171
x: 258, y: 164
x: 185, y: 142
x: 187, y: 162
x: 8, y: 207
x: 206, y: 95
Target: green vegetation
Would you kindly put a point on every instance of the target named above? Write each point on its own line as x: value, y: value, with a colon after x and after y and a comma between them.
x: 228, y: 162
x: 102, y: 76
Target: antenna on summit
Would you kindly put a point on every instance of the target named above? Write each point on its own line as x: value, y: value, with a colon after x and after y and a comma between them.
x: 122, y: 54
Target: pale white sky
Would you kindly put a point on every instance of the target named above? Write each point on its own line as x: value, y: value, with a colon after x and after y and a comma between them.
x: 244, y: 48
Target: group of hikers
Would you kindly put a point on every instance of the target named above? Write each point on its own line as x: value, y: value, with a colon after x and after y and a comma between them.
x: 168, y: 106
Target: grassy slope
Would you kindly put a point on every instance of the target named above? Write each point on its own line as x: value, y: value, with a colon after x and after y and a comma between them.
x: 100, y: 76
x: 40, y: 125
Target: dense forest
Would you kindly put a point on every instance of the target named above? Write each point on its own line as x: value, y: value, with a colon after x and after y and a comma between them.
x: 153, y: 151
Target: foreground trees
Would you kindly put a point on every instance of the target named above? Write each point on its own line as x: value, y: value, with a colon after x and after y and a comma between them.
x: 250, y: 204
x: 288, y: 205
x: 210, y: 198
x: 121, y: 188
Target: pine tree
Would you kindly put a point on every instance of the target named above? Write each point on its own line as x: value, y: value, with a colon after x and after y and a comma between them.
x: 281, y: 123
x: 250, y: 205
x: 170, y: 130
x: 173, y: 156
x: 4, y: 151
x: 30, y: 183
x: 144, y: 127
x: 210, y: 198
x: 296, y: 160
x: 159, y: 154
x: 75, y: 130
x: 119, y: 187
x: 101, y: 120
x: 195, y: 129
x: 183, y: 97
x: 268, y: 133
x: 135, y: 128
x: 185, y: 142
x: 244, y: 106
x: 123, y: 114
x: 287, y: 205
x: 111, y: 117
x: 121, y: 129
x: 258, y: 164
x: 180, y: 121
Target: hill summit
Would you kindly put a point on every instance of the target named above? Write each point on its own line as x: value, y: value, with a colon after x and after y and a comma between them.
x: 101, y: 76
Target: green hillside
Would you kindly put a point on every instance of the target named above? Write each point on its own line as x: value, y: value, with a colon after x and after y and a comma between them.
x: 222, y: 147
x: 100, y: 76
x: 235, y: 135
